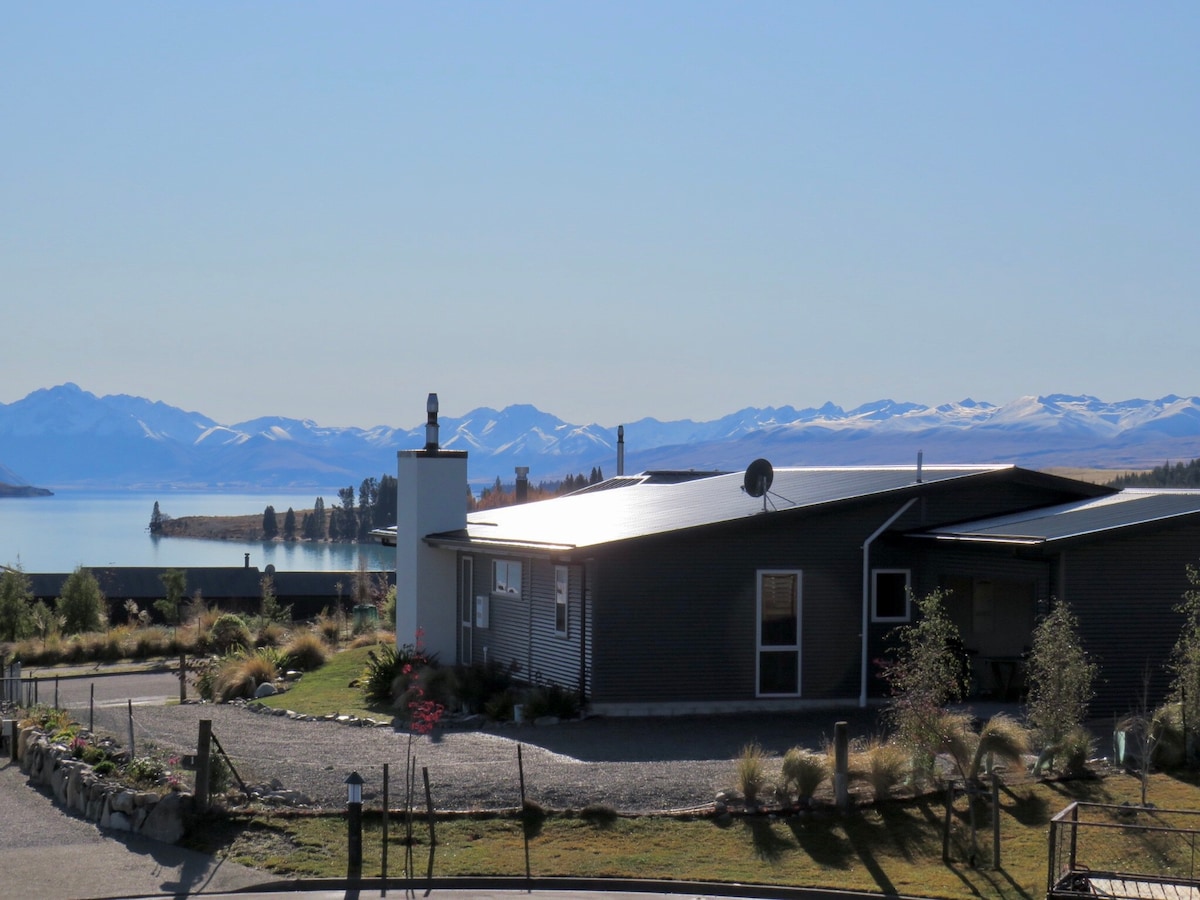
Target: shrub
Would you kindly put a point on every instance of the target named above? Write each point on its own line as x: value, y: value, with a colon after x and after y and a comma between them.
x: 240, y: 673
x: 751, y: 772
x: 371, y: 638
x: 330, y: 627
x: 305, y: 651
x: 803, y: 772
x: 145, y: 770
x: 1061, y: 677
x: 881, y: 764
x: 499, y: 707
x: 269, y: 634
x: 105, y: 767
x: 924, y: 673
x: 599, y: 814
x: 552, y: 700
x: 388, y: 671
x: 81, y: 605
x: 228, y: 631
x: 479, y: 684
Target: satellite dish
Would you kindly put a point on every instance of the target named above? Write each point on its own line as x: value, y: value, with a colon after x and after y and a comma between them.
x: 759, y: 476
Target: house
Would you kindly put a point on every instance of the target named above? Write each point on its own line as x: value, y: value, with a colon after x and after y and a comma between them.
x: 231, y: 588
x: 682, y: 591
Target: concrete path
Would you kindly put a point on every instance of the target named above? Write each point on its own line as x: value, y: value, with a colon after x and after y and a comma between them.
x: 51, y: 855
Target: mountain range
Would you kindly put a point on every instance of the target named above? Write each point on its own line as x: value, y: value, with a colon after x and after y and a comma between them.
x: 65, y: 436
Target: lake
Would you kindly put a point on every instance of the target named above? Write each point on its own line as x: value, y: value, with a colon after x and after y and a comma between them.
x: 108, y: 528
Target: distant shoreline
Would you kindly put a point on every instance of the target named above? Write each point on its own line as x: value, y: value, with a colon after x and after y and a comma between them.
x: 23, y: 490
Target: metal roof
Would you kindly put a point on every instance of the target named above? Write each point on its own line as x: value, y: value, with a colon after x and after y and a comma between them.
x: 649, y: 507
x: 1126, y: 509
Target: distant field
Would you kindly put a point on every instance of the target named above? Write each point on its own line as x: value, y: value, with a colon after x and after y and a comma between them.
x: 1096, y: 476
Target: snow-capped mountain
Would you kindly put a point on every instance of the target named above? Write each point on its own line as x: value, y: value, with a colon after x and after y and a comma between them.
x: 66, y: 436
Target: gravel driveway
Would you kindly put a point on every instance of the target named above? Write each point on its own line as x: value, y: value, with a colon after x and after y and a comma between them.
x: 633, y: 765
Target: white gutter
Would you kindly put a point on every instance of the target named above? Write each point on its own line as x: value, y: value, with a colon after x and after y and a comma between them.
x: 866, y: 594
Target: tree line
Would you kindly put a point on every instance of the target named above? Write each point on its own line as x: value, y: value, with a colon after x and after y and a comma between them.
x: 351, y: 519
x: 1179, y: 475
x: 500, y: 494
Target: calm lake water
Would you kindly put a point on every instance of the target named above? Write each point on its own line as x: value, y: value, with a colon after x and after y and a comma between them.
x: 94, y: 528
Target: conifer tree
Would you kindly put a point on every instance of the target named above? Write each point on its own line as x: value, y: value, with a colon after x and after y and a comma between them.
x: 270, y: 527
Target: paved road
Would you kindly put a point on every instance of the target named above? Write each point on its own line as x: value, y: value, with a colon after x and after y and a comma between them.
x: 48, y: 854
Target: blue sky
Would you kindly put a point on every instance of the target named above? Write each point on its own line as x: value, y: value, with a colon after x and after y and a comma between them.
x: 609, y: 210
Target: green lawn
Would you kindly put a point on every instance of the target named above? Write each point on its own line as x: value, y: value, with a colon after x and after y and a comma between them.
x: 327, y: 691
x: 893, y: 849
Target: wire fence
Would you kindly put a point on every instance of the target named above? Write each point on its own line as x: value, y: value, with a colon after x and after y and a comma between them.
x: 304, y: 763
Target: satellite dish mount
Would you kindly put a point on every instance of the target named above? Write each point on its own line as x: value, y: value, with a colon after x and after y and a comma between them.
x: 759, y: 475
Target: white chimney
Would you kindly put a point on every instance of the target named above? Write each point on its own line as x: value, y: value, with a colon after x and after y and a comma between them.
x: 431, y: 497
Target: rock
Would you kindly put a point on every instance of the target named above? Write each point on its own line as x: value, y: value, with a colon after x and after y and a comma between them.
x: 166, y: 821
x: 266, y: 689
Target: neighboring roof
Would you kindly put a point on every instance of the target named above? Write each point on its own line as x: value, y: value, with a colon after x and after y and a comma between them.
x: 1132, y: 507
x: 650, y: 506
x: 213, y: 582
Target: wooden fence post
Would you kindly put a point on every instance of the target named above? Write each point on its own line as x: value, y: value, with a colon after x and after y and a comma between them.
x: 203, y: 755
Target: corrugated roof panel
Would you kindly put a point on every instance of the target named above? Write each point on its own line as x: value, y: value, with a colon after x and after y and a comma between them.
x: 1126, y: 509
x: 640, y: 510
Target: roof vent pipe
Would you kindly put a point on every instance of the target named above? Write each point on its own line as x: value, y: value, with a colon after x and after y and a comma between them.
x: 920, y: 463
x: 431, y: 424
x: 246, y: 564
x: 620, y: 450
x: 522, y: 489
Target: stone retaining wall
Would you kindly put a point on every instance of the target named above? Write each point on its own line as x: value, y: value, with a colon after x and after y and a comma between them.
x: 75, y: 786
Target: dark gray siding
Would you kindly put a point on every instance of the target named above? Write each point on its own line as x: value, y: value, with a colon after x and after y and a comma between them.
x: 675, y: 618
x: 521, y: 633
x: 1124, y: 592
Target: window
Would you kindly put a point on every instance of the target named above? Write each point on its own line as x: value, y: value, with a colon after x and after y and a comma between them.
x: 506, y: 577
x: 779, y: 633
x: 889, y: 595
x: 560, y: 601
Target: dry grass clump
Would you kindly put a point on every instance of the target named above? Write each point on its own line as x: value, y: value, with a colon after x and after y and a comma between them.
x: 371, y: 638
x: 803, y: 772
x: 750, y: 771
x: 330, y: 627
x: 239, y: 674
x: 306, y: 651
x: 883, y: 765
x: 1001, y: 738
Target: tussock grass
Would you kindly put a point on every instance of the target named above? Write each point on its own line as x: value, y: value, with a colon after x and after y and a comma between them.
x: 306, y: 651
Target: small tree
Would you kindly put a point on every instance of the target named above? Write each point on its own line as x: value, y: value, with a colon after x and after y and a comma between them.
x: 925, y: 673
x: 81, y: 604
x: 1061, y: 681
x: 1185, y: 659
x: 157, y: 518
x: 16, y: 595
x: 175, y: 583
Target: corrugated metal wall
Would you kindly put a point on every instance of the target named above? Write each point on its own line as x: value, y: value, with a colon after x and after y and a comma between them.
x: 1124, y: 593
x: 521, y: 628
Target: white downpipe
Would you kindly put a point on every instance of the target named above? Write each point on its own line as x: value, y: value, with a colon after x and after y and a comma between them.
x: 866, y: 594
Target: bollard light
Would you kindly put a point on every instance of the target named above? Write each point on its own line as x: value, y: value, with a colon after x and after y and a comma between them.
x: 354, y: 785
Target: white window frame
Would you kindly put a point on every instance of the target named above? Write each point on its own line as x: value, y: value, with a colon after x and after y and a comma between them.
x: 504, y: 572
x: 875, y: 616
x: 562, y: 605
x: 761, y: 648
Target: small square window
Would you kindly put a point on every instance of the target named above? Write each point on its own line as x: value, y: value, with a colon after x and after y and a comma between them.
x: 506, y: 577
x: 889, y: 595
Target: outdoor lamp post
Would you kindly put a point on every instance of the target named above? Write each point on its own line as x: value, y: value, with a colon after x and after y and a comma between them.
x: 354, y: 785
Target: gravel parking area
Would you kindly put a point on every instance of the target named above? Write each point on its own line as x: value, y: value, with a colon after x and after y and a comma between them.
x: 633, y: 765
